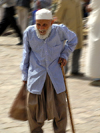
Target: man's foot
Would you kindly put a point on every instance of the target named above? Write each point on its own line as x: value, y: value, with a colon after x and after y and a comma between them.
x: 95, y: 83
x: 77, y: 74
x: 19, y: 43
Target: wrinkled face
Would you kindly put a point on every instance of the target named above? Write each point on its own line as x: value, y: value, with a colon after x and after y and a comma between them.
x: 43, y: 26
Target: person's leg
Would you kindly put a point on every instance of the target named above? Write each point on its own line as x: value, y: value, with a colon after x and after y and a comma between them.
x: 24, y: 18
x: 14, y: 23
x: 19, y: 16
x: 4, y: 23
x: 60, y: 121
x: 1, y: 13
x: 76, y: 62
x: 66, y: 68
x: 36, y: 112
x: 56, y: 107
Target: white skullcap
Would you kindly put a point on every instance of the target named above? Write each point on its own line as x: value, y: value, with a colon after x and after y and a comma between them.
x: 43, y: 14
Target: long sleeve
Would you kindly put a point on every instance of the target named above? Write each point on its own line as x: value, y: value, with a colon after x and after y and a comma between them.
x: 71, y: 42
x: 25, y: 60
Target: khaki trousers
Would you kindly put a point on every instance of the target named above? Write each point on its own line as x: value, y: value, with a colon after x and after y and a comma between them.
x: 1, y: 13
x: 49, y: 105
x: 22, y: 18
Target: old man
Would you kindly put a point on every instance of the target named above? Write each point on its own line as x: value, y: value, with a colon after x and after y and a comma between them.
x: 46, y: 49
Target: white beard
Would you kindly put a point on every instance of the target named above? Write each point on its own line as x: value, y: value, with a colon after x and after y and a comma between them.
x: 42, y: 36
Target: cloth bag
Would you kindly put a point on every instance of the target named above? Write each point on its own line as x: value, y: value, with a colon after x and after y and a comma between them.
x: 18, y: 109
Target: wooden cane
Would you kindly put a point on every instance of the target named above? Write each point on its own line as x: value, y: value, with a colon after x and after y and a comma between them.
x: 69, y: 108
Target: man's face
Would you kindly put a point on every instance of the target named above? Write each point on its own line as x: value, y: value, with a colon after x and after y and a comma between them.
x: 43, y: 26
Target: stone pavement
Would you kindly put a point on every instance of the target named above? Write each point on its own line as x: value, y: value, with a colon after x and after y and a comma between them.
x: 85, y: 99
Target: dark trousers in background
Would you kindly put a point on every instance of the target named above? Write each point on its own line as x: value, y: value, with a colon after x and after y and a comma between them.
x: 8, y: 19
x: 75, y: 61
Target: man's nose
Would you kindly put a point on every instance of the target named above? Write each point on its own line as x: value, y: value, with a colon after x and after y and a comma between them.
x: 41, y: 27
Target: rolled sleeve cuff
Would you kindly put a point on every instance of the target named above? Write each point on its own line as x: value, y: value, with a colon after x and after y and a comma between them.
x: 64, y: 56
x: 24, y: 77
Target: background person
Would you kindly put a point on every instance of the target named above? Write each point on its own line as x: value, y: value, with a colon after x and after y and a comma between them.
x: 69, y: 13
x: 93, y: 54
x: 39, y: 4
x: 9, y: 19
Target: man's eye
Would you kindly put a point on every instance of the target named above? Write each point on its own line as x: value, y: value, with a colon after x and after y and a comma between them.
x: 38, y: 24
x: 44, y: 25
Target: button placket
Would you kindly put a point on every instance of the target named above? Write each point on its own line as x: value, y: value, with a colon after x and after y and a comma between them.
x: 46, y: 55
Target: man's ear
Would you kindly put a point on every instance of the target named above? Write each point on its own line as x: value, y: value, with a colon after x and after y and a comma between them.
x: 52, y: 21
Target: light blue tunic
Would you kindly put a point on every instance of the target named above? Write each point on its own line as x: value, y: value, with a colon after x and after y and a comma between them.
x: 41, y: 57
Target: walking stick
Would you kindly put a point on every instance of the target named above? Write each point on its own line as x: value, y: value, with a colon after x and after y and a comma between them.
x: 69, y: 108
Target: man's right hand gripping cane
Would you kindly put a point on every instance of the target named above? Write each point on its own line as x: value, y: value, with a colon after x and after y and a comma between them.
x: 62, y: 62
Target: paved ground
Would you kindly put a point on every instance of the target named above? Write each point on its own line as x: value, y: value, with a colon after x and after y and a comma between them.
x: 85, y: 99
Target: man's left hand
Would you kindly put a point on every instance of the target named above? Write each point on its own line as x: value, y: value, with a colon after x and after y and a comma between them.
x: 62, y: 62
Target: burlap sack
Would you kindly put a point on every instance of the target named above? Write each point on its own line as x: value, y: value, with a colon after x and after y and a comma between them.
x: 18, y: 109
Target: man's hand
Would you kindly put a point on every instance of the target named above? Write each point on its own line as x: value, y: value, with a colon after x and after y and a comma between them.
x: 25, y: 82
x: 62, y: 62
